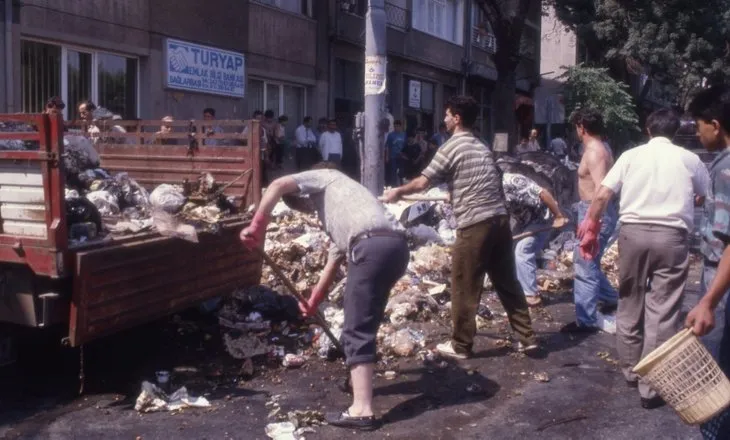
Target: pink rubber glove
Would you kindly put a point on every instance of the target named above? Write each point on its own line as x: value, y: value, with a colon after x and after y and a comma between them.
x: 254, y: 235
x: 310, y: 309
x: 588, y: 233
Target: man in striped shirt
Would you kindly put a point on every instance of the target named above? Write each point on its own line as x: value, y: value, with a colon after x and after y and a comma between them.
x: 483, y: 238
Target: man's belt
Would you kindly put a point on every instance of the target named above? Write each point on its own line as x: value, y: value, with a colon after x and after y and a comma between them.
x: 376, y: 233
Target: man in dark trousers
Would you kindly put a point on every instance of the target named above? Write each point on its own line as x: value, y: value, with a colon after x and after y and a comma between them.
x: 377, y: 256
x: 483, y: 237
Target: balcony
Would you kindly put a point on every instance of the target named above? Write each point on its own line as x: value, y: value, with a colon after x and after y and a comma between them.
x: 396, y: 16
x: 484, y: 40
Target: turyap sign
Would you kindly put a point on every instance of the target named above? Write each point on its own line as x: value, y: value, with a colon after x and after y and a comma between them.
x: 204, y: 69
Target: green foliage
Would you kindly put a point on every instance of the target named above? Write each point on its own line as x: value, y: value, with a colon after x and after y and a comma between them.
x: 594, y: 87
x: 678, y: 42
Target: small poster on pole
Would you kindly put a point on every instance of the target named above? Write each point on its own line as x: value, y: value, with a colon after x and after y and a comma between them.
x: 375, y: 75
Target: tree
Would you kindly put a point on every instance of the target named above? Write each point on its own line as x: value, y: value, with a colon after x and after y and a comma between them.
x: 594, y: 87
x: 680, y: 43
x: 507, y: 19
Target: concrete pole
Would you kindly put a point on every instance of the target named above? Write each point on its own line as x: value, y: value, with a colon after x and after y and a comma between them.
x: 373, y: 169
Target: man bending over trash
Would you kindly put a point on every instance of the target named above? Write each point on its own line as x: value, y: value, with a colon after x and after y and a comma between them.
x: 530, y: 206
x: 377, y: 256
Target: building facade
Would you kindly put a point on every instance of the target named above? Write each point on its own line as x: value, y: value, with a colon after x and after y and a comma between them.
x: 147, y: 59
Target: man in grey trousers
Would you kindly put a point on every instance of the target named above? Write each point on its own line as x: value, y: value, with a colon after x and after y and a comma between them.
x: 377, y: 256
x: 658, y: 183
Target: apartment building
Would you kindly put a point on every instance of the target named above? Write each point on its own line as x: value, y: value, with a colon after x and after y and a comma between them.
x: 146, y: 59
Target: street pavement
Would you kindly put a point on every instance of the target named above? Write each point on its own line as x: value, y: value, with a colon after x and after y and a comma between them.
x: 493, y: 396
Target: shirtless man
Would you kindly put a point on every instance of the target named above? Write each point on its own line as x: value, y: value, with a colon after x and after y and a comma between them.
x: 591, y: 285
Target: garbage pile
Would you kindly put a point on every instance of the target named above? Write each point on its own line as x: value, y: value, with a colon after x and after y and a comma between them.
x: 98, y: 203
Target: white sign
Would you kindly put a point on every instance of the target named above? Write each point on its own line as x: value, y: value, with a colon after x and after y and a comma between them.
x: 500, y: 142
x: 414, y: 94
x: 375, y: 77
x: 203, y: 69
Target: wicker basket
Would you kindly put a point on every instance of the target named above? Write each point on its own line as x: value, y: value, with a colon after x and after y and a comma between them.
x: 686, y: 376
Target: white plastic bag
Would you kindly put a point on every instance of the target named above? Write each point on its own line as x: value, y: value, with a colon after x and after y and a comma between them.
x: 168, y: 198
x: 105, y: 202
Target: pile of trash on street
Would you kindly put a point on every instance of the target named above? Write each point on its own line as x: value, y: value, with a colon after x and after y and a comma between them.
x: 298, y: 245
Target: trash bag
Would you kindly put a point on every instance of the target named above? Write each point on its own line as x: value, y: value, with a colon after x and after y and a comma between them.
x: 80, y: 154
x: 82, y: 210
x: 169, y: 226
x: 87, y: 178
x: 168, y: 198
x: 132, y: 194
x: 105, y: 202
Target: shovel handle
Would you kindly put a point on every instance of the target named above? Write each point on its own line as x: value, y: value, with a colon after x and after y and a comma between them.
x: 293, y: 290
x: 531, y: 233
x: 424, y: 198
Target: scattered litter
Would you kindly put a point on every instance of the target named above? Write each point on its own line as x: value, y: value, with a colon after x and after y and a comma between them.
x: 542, y: 377
x: 405, y: 342
x: 153, y: 399
x: 293, y: 360
x: 390, y: 375
x: 281, y: 431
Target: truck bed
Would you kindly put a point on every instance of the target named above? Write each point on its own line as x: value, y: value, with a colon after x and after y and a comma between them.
x: 127, y: 280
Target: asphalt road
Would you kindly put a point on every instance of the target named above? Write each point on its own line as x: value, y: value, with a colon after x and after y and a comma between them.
x: 493, y: 396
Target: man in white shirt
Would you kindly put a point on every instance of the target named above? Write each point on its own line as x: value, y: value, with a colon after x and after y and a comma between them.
x: 658, y: 184
x: 559, y: 147
x: 306, y: 153
x: 330, y: 144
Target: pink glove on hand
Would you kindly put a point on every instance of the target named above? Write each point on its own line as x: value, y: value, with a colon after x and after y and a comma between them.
x: 588, y: 233
x: 254, y: 235
x: 310, y: 309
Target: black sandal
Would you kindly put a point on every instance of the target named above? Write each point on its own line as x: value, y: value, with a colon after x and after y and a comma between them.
x: 345, y: 420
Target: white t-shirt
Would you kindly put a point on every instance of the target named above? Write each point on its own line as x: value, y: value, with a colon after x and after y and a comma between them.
x: 658, y: 182
x: 330, y: 143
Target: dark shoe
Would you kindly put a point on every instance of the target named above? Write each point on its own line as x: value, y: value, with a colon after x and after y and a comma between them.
x: 345, y: 420
x: 653, y: 403
x: 632, y: 384
x: 574, y: 327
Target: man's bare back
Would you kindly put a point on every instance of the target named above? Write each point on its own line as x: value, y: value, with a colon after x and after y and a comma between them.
x: 597, y: 160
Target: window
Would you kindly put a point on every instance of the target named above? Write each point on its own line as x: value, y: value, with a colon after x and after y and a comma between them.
x: 440, y: 18
x: 482, y: 33
x: 303, y: 7
x: 282, y: 99
x: 349, y: 80
x: 77, y: 75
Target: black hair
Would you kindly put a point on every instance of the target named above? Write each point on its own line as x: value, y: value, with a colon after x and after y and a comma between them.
x: 590, y: 119
x: 210, y: 111
x: 307, y: 119
x: 90, y: 106
x: 332, y: 121
x: 663, y: 122
x: 283, y: 118
x: 257, y: 113
x: 56, y: 102
x: 712, y: 104
x: 269, y: 114
x: 466, y: 107
x: 397, y: 122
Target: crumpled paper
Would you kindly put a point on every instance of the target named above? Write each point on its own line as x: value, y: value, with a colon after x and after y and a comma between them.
x: 153, y: 399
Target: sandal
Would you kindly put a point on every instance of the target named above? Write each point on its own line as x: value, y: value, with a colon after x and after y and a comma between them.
x: 345, y: 420
x: 534, y: 301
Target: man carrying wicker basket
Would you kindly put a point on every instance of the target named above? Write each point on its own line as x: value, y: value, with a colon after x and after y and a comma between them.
x: 711, y: 110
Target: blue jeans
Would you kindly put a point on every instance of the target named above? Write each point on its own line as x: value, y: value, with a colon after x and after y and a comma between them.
x: 719, y: 427
x: 712, y: 340
x: 591, y: 285
x: 525, y: 252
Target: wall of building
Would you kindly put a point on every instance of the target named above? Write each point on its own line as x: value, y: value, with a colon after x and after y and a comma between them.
x: 224, y: 27
x: 558, y: 47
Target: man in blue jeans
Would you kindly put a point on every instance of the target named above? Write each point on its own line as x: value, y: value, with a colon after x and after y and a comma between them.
x: 711, y: 110
x: 591, y: 284
x: 530, y: 207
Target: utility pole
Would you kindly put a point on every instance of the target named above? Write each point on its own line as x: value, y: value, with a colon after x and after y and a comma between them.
x: 373, y: 170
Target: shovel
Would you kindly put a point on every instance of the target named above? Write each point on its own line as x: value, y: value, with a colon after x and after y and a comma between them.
x: 319, y: 319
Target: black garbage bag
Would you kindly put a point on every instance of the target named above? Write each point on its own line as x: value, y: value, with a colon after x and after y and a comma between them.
x: 82, y: 210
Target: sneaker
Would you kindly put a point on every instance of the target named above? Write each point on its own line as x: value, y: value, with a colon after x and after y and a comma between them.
x: 522, y: 348
x: 607, y: 323
x: 447, y: 350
